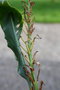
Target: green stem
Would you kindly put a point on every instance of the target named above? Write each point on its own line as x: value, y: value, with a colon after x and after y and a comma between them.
x: 30, y: 55
x: 35, y: 86
x: 29, y: 51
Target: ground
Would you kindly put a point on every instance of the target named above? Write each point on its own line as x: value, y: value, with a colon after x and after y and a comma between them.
x: 49, y: 57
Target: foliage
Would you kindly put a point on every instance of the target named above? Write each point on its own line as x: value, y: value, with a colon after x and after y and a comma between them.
x: 12, y: 24
x: 10, y: 17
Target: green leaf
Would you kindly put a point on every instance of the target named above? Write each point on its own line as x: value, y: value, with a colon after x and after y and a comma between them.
x: 10, y: 17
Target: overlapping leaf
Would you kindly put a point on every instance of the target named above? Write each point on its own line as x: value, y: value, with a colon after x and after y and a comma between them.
x: 10, y: 17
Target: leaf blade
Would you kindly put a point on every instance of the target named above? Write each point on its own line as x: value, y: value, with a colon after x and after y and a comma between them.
x: 9, y: 18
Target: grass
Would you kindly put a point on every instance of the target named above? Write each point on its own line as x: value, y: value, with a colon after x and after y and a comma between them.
x: 45, y: 11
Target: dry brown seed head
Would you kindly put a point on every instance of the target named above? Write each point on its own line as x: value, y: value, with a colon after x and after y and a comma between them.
x: 32, y: 3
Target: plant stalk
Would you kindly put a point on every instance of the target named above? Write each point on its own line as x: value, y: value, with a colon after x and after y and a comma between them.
x: 28, y: 20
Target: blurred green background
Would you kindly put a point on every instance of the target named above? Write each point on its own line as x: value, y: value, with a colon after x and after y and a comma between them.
x: 45, y: 11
